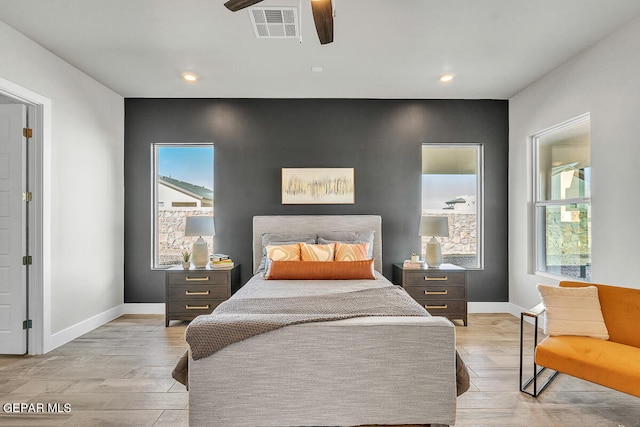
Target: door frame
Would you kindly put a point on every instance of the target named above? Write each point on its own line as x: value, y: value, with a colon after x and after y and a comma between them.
x: 39, y: 304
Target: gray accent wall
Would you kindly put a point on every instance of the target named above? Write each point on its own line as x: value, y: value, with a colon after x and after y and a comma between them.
x: 255, y: 138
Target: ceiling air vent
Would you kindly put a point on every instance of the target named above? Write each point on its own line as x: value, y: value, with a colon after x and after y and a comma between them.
x: 274, y: 22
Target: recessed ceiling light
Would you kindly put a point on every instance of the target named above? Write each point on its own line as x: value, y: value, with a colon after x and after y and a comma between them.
x: 190, y: 77
x: 445, y: 78
x: 317, y: 69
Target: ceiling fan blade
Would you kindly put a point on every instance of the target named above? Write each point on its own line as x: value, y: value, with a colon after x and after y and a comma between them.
x: 323, y: 17
x: 236, y: 5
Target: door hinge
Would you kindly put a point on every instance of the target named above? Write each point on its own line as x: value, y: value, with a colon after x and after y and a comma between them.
x: 27, y: 132
x: 27, y: 260
x: 27, y: 324
x: 27, y: 196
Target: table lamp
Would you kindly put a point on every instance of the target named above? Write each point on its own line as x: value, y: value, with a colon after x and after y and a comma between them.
x: 200, y: 226
x: 434, y: 226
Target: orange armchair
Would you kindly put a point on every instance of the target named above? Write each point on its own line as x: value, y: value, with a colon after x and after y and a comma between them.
x: 613, y: 363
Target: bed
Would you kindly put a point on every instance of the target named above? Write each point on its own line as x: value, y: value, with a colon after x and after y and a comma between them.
x: 350, y: 372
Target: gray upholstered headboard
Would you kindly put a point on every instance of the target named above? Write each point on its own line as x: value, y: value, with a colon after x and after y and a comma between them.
x: 302, y: 224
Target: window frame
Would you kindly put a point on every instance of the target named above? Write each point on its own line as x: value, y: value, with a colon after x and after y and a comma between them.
x: 539, y: 225
x: 154, y: 146
x: 479, y: 190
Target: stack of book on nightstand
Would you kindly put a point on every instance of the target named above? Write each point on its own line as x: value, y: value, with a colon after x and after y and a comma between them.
x: 418, y: 265
x: 221, y: 261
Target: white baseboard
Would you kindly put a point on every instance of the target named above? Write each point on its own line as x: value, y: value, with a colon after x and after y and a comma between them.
x: 81, y: 328
x: 516, y: 310
x: 143, y: 308
x: 88, y: 325
x: 488, y: 307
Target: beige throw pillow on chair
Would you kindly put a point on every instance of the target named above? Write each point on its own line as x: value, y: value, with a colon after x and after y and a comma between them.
x: 573, y: 311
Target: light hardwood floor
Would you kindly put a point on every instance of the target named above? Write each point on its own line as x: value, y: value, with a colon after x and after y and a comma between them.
x: 120, y: 375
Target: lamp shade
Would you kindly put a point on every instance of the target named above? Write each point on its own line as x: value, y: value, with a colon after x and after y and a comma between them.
x: 200, y: 226
x: 434, y: 226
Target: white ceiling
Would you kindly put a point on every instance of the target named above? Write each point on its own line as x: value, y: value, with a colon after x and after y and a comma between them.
x: 382, y: 48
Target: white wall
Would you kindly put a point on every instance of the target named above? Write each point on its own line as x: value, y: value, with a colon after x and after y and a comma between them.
x: 605, y: 81
x: 86, y: 181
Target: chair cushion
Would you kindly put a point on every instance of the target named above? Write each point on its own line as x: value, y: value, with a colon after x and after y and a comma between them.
x: 607, y: 363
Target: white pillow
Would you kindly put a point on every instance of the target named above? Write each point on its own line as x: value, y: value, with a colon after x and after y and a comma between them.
x: 573, y: 311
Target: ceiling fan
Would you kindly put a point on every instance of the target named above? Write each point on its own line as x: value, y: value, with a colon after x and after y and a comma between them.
x: 322, y: 15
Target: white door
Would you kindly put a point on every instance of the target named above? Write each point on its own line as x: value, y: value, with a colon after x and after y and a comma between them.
x: 13, y: 297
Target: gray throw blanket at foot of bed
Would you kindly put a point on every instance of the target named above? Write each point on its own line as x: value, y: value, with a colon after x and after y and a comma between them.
x: 238, y: 319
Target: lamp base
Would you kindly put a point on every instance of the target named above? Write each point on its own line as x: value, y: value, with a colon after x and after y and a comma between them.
x: 200, y: 253
x: 433, y: 253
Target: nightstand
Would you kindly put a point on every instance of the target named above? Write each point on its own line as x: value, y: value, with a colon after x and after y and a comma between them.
x: 197, y: 291
x: 442, y: 291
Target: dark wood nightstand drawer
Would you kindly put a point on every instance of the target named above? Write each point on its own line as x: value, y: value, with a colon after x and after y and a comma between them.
x: 197, y: 292
x: 442, y: 291
x: 202, y: 277
x: 435, y: 293
x: 182, y: 309
x: 445, y: 308
x: 190, y: 293
x: 421, y: 277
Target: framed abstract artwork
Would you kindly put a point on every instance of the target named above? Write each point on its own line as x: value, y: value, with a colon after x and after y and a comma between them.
x: 318, y: 186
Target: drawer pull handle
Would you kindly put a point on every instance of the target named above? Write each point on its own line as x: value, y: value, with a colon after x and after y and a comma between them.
x: 443, y: 306
x: 197, y: 279
x: 433, y: 279
x: 445, y: 292
x: 197, y: 307
x: 196, y: 292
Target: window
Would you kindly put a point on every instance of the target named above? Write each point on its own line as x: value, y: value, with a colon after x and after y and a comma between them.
x: 563, y: 199
x: 182, y: 187
x: 451, y: 186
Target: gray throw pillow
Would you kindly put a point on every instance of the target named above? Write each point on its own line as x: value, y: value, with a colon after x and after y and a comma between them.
x: 281, y: 239
x: 348, y: 237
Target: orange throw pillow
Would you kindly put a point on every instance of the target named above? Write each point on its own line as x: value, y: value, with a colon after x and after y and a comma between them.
x: 284, y: 252
x: 310, y: 252
x: 352, y: 251
x: 320, y: 270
